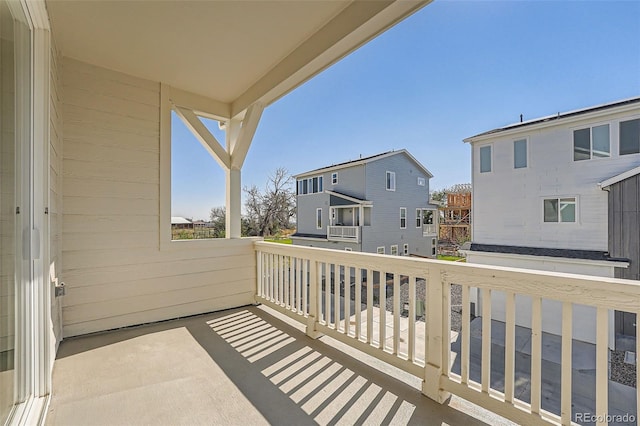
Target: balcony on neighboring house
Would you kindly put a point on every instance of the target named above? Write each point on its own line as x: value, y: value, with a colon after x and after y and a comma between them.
x: 343, y: 233
x: 346, y: 217
x: 429, y: 223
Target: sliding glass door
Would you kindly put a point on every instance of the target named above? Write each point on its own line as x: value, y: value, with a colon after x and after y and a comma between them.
x: 15, y: 195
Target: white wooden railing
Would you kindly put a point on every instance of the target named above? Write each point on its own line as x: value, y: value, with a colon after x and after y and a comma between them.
x: 343, y: 233
x: 310, y: 285
x: 429, y: 229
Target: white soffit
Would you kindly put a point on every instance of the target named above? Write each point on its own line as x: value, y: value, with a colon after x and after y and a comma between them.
x: 235, y: 52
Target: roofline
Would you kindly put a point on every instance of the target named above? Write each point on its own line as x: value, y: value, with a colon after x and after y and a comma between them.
x: 611, y: 263
x: 559, y: 118
x: 349, y: 198
x: 618, y: 178
x: 366, y: 160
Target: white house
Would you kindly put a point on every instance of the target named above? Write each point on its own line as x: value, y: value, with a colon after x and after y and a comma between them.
x: 542, y: 199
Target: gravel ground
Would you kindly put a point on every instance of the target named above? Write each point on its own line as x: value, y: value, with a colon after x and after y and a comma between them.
x: 456, y: 300
x: 622, y: 372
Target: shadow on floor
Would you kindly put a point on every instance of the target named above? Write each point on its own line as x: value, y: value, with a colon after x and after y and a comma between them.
x: 241, y: 366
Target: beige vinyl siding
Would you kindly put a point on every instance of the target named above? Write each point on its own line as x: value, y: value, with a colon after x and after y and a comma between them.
x: 55, y: 189
x: 115, y: 272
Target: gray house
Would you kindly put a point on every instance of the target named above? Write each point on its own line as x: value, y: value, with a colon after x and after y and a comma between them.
x: 377, y: 204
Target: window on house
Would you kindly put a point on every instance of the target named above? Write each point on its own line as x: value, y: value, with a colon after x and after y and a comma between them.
x: 406, y: 249
x: 520, y: 154
x: 334, y: 178
x: 418, y: 218
x: 559, y: 210
x: 422, y: 181
x: 380, y: 250
x: 592, y: 142
x: 310, y: 185
x: 403, y: 217
x: 485, y: 159
x: 630, y: 137
x: 391, y: 181
x: 319, y: 218
x: 394, y: 250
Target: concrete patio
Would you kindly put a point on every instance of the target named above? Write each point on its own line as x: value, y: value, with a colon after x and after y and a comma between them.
x: 242, y: 366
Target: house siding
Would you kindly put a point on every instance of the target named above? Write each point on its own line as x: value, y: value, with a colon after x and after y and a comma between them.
x: 306, y: 213
x: 508, y: 202
x: 351, y: 181
x: 385, y: 215
x: 115, y: 272
x: 55, y: 189
x: 624, y: 217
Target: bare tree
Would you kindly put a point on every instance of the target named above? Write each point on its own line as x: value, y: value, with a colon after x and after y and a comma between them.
x: 217, y: 218
x: 270, y: 211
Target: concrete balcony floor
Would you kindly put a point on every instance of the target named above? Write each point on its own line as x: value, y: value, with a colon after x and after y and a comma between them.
x: 247, y: 366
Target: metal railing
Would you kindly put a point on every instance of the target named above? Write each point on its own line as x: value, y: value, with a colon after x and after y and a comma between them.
x: 399, y: 310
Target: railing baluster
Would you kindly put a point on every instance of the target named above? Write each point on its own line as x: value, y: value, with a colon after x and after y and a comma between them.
x: 465, y: 335
x: 287, y: 282
x: 358, y: 303
x: 270, y: 278
x: 299, y: 281
x: 536, y: 353
x: 292, y: 284
x: 281, y: 285
x: 411, y: 348
x: 347, y: 299
x: 327, y: 294
x: 510, y: 347
x: 396, y: 314
x: 486, y: 340
x: 446, y: 328
x: 382, y: 302
x: 369, y: 306
x: 336, y: 296
x: 566, y: 366
x: 305, y: 285
x: 602, y: 365
x: 259, y: 274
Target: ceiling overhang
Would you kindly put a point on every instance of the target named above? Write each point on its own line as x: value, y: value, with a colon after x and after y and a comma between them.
x: 233, y: 52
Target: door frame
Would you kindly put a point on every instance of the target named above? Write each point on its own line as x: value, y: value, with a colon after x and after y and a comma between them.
x: 35, y: 344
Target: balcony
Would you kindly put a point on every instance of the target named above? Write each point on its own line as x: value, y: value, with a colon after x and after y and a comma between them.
x: 429, y: 230
x: 343, y: 233
x: 342, y: 337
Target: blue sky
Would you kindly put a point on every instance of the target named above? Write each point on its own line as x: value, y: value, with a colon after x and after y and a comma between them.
x: 452, y: 70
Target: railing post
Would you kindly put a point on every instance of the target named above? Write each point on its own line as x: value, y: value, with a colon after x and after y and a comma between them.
x: 312, y: 319
x: 436, y: 340
x: 259, y: 278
